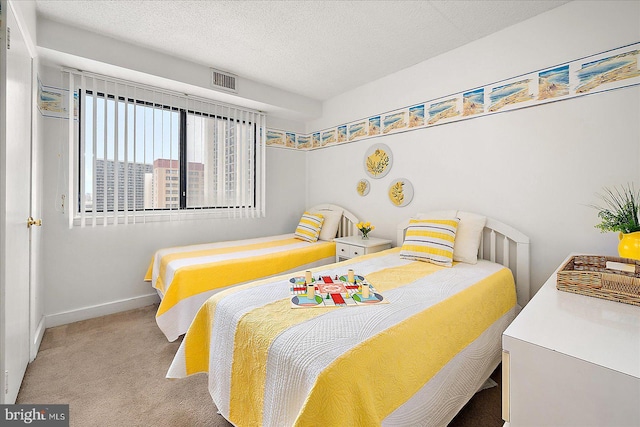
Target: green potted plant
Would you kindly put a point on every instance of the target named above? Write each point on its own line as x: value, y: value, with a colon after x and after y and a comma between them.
x: 619, y: 213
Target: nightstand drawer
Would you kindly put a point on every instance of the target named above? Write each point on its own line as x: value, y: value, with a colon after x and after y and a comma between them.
x: 348, y: 251
x: 354, y: 246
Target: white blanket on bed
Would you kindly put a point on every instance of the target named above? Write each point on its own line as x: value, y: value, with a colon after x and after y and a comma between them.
x: 297, y: 358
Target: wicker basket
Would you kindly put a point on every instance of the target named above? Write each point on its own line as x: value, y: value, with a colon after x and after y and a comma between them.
x: 588, y: 275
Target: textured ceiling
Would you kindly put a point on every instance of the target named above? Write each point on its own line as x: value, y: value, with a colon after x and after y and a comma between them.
x: 318, y: 49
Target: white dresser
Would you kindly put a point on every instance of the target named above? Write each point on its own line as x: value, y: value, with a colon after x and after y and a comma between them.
x: 572, y: 360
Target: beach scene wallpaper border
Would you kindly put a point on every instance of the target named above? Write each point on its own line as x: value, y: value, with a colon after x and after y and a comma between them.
x: 612, y: 69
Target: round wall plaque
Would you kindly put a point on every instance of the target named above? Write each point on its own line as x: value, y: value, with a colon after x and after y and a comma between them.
x: 363, y: 187
x: 378, y: 160
x: 400, y: 192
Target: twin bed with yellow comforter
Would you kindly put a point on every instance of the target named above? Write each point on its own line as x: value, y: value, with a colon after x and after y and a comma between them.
x: 414, y: 361
x: 185, y: 277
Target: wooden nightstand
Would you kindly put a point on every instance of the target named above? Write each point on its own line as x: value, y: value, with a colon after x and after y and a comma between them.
x: 353, y: 246
x: 572, y: 360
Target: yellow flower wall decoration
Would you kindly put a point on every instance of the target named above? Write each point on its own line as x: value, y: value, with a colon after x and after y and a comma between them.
x: 378, y: 160
x: 400, y: 192
x: 363, y: 187
x: 395, y: 193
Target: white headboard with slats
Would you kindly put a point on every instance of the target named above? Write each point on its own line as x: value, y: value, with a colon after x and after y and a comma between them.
x: 504, y: 245
x: 348, y: 221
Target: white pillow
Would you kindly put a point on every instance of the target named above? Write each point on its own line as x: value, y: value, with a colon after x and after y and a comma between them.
x: 330, y: 225
x: 468, y: 237
x: 437, y: 215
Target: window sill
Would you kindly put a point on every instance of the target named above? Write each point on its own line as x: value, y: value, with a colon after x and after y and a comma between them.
x: 132, y: 218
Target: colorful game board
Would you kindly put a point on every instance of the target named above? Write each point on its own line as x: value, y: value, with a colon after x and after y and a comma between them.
x: 333, y: 292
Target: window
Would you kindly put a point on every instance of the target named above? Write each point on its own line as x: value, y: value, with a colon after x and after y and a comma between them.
x: 142, y: 152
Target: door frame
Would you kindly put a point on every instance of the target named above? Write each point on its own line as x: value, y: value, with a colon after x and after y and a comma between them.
x: 36, y: 300
x: 3, y: 202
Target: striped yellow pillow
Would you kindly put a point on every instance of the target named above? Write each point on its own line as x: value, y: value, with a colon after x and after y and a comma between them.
x: 309, y: 227
x: 430, y: 240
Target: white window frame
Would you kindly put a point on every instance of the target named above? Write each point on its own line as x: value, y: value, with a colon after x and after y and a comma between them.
x: 125, y: 91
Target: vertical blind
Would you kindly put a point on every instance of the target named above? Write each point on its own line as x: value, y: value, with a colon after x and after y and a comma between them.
x: 139, y: 153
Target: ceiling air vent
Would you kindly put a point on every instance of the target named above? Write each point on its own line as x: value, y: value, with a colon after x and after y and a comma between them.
x: 223, y: 80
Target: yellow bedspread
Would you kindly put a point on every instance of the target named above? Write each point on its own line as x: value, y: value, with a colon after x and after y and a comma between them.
x: 352, y: 366
x: 185, y: 272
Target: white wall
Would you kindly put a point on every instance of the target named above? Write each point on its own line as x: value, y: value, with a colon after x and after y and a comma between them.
x: 26, y: 15
x: 536, y: 169
x: 88, y: 51
x: 574, y: 30
x: 94, y: 271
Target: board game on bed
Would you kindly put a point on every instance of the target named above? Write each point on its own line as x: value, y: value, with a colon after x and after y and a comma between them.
x: 343, y: 291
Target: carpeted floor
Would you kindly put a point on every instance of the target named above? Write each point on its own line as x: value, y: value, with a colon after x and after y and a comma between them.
x: 110, y: 371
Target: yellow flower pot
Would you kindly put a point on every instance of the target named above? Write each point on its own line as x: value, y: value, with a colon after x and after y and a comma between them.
x: 629, y: 246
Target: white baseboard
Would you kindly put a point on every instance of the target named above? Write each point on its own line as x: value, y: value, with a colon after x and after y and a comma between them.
x: 37, y: 338
x: 85, y: 313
